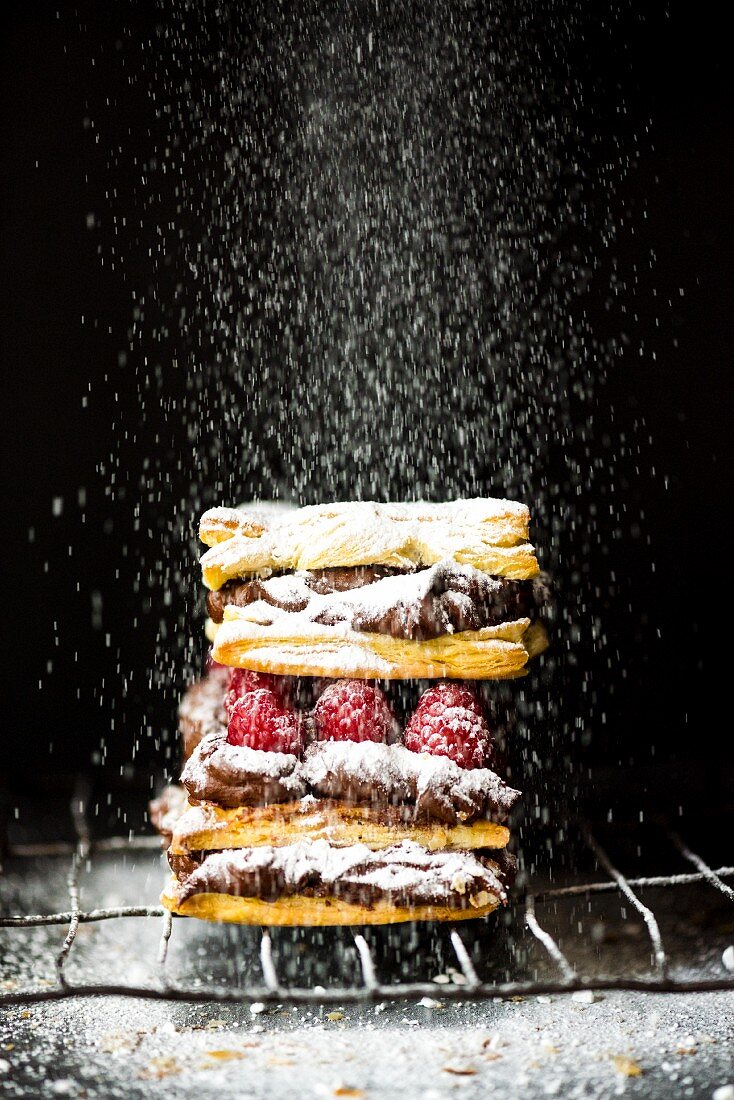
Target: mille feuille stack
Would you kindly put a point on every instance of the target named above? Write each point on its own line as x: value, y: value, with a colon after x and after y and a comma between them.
x: 309, y: 803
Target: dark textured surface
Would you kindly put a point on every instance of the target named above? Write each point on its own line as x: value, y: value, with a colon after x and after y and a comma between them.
x: 586, y: 1045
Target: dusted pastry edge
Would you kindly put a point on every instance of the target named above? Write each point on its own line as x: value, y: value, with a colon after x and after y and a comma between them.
x: 285, y: 648
x: 302, y: 912
x: 487, y: 533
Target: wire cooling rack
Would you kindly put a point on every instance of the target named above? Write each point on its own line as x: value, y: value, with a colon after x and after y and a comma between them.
x: 465, y: 986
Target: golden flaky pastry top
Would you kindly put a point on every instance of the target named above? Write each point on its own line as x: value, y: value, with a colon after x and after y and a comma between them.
x: 491, y: 535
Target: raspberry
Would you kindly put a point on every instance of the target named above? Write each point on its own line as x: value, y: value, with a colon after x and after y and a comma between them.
x: 448, y: 721
x: 451, y: 693
x: 242, y: 680
x: 353, y: 710
x: 259, y: 721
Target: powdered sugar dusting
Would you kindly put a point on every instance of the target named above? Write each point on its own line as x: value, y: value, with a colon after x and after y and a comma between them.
x: 473, y: 510
x: 168, y: 809
x: 354, y: 771
x: 399, y: 592
x: 341, y: 659
x: 269, y: 639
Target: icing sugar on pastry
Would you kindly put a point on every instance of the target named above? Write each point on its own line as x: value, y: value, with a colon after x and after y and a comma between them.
x: 490, y: 534
x: 283, y: 643
x: 400, y: 599
x: 358, y: 829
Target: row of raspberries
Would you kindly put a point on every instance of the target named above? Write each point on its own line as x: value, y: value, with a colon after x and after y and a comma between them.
x: 448, y: 721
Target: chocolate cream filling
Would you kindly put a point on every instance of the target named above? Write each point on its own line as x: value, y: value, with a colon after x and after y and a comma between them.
x: 444, y: 599
x: 234, y: 775
x: 427, y: 788
x: 430, y: 788
x: 405, y: 874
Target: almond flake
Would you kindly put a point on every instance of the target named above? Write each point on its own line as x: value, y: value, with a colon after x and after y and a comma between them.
x: 161, y: 1067
x: 626, y: 1066
x: 120, y: 1042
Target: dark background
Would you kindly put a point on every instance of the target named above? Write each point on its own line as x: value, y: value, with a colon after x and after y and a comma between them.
x: 81, y: 628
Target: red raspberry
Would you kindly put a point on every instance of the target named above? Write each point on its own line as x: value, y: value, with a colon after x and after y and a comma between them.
x: 451, y: 693
x: 243, y: 680
x: 353, y: 710
x: 448, y: 721
x: 259, y: 721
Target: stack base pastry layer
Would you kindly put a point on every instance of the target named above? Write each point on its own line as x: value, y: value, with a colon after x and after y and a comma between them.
x: 305, y: 912
x: 312, y: 882
x: 311, y: 795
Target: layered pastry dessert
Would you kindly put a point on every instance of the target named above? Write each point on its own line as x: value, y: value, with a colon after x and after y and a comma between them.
x: 317, y: 790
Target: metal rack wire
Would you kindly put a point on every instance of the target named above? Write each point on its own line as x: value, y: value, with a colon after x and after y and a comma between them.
x: 467, y: 987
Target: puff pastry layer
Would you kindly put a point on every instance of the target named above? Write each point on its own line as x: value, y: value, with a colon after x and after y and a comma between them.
x: 300, y: 911
x: 293, y: 646
x: 314, y: 882
x: 210, y: 828
x: 486, y: 533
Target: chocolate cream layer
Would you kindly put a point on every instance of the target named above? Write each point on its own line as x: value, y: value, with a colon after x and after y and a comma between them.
x: 234, y: 775
x: 411, y: 604
x: 427, y: 788
x: 403, y: 875
x: 431, y: 788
